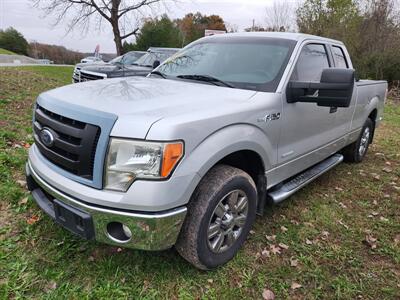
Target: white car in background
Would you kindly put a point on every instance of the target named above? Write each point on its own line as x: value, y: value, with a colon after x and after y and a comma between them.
x: 91, y: 59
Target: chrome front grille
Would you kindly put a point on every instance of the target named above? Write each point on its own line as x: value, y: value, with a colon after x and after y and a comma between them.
x: 88, y: 76
x: 73, y: 144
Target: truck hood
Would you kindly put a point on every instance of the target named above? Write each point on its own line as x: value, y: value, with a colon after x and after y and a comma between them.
x: 138, y: 102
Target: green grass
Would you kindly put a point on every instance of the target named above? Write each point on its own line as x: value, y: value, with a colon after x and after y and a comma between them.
x: 4, y: 51
x: 41, y: 260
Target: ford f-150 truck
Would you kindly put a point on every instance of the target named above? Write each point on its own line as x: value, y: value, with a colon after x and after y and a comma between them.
x: 189, y: 155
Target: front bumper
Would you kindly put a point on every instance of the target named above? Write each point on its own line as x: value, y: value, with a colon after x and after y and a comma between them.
x: 149, y: 231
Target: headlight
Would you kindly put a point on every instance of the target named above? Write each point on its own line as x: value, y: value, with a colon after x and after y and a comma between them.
x: 128, y: 160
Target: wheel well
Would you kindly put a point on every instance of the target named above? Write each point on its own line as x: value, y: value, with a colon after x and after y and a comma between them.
x: 246, y: 160
x: 373, y: 115
x: 251, y: 163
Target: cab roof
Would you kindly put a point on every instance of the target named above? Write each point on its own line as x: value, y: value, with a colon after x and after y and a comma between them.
x: 299, y: 37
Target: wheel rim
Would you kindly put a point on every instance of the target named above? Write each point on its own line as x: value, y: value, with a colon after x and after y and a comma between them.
x: 364, y: 142
x: 227, y: 221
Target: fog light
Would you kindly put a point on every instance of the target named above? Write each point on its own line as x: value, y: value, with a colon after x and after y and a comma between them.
x: 119, y: 232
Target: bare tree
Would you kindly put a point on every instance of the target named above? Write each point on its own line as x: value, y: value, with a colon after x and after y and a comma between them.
x: 123, y: 15
x: 279, y: 16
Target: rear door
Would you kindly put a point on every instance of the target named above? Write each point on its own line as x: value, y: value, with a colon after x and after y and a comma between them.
x: 343, y: 115
x: 306, y: 126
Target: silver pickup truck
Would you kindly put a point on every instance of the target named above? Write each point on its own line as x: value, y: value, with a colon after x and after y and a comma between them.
x: 189, y: 155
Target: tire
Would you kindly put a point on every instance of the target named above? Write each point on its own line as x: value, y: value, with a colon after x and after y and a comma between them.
x: 213, y: 216
x: 356, y: 151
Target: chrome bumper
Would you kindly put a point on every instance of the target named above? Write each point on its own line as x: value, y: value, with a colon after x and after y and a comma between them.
x: 149, y: 231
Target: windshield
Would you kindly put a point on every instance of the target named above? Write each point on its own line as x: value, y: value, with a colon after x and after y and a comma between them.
x: 131, y: 57
x: 116, y: 60
x: 248, y: 63
x: 150, y: 57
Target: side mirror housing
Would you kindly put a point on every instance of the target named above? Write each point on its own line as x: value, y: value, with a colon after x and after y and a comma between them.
x: 334, y: 90
x: 156, y: 63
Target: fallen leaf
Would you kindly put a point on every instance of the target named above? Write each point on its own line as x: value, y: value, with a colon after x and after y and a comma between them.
x: 91, y: 258
x: 295, y: 286
x: 309, y: 224
x: 268, y: 295
x: 26, y: 145
x: 252, y: 232
x: 386, y: 196
x: 339, y: 189
x: 324, y: 235
x: 342, y: 205
x: 23, y: 201
x: 52, y: 285
x: 294, y: 222
x: 210, y: 280
x: 284, y: 229
x: 375, y: 202
x: 383, y: 219
x: 275, y: 249
x: 22, y: 183
x: 396, y: 239
x: 266, y: 253
x: 119, y: 249
x: 374, y: 213
x: 309, y: 242
x: 283, y: 246
x: 387, y: 170
x: 271, y: 238
x: 370, y: 241
x: 376, y: 176
x: 32, y: 220
x: 294, y: 262
x: 343, y: 224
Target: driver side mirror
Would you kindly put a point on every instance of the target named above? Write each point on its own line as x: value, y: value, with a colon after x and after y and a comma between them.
x: 334, y: 90
x: 156, y: 63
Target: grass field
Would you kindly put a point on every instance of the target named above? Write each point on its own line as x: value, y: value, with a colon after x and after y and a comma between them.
x: 338, y: 238
x: 4, y: 51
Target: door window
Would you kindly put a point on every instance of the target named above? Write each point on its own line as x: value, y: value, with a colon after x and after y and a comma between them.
x: 312, y: 60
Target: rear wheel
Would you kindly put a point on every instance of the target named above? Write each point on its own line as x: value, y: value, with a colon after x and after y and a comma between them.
x: 220, y: 215
x: 356, y: 151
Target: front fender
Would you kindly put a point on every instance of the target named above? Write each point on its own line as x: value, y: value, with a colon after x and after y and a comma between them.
x: 226, y: 141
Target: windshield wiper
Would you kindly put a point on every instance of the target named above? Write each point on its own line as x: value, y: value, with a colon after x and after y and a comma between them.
x: 206, y: 78
x: 158, y: 73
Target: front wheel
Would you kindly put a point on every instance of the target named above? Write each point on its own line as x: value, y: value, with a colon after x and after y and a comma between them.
x: 220, y: 215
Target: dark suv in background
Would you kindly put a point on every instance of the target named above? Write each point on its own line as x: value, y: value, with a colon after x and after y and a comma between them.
x: 127, y: 59
x: 126, y: 66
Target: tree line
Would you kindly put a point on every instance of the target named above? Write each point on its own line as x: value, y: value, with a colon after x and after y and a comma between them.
x: 164, y: 32
x: 369, y: 28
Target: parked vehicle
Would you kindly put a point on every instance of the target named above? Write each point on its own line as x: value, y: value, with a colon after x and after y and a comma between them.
x: 91, y: 59
x: 115, y: 64
x: 140, y: 67
x: 190, y: 155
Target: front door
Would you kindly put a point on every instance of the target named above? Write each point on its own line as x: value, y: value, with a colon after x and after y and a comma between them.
x: 306, y: 126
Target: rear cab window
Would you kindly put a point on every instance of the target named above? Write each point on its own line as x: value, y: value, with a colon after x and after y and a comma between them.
x: 339, y: 57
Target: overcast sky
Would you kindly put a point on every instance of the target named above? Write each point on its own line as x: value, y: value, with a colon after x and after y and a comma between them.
x: 35, y: 26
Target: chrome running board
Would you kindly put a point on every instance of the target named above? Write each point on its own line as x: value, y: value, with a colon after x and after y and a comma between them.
x: 282, y: 191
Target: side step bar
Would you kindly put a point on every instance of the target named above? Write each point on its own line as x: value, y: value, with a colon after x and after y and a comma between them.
x: 282, y: 191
